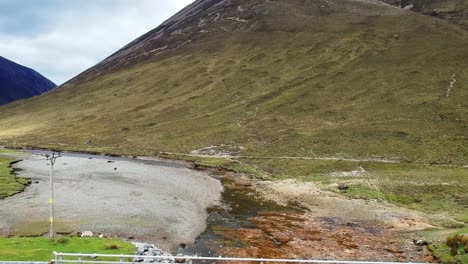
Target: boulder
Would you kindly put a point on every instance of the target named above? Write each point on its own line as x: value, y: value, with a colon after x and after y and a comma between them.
x: 144, y: 249
x: 87, y: 234
x: 343, y: 186
x: 420, y: 242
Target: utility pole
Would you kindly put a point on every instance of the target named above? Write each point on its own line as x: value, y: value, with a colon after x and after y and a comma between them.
x: 52, y: 158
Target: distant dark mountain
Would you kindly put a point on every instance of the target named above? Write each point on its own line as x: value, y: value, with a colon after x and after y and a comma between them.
x: 19, y: 82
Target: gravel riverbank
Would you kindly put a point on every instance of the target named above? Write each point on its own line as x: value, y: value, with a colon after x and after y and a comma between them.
x: 151, y: 201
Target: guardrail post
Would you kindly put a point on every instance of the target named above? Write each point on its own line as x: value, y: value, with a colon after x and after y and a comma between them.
x: 121, y: 259
x: 261, y: 261
x: 61, y: 259
x: 79, y: 259
x: 190, y: 261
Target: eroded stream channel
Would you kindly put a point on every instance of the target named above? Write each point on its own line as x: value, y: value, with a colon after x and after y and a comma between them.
x: 198, y: 212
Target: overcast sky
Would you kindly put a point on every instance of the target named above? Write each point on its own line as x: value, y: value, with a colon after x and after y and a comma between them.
x: 61, y: 38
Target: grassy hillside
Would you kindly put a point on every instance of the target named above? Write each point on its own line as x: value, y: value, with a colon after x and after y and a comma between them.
x: 269, y: 79
x: 296, y: 78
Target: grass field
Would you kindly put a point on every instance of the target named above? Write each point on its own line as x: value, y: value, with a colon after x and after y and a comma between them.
x: 8, y: 151
x: 40, y: 249
x: 439, y: 190
x: 442, y: 252
x: 436, y: 190
x: 9, y: 183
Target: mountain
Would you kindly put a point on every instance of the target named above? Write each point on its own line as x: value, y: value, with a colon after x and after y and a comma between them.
x: 455, y: 11
x: 346, y: 78
x: 19, y: 82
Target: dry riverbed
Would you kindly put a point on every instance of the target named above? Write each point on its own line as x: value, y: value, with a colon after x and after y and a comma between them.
x: 159, y: 202
x: 294, y: 220
x: 337, y: 227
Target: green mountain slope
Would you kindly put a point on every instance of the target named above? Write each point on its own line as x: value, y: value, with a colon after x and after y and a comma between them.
x: 455, y: 11
x: 273, y: 78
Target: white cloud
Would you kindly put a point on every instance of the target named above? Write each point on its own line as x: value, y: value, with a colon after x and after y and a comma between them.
x: 76, y: 37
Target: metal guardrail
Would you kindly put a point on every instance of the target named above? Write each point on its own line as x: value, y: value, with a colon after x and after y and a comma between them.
x: 23, y: 262
x: 123, y: 259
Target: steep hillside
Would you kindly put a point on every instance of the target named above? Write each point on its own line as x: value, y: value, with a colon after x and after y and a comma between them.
x: 347, y: 78
x: 455, y: 11
x: 18, y: 82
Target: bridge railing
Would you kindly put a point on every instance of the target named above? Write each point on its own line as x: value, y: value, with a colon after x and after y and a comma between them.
x: 60, y: 258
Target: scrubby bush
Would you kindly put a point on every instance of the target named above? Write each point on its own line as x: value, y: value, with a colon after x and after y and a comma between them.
x: 63, y: 240
x: 112, y: 247
x: 456, y: 243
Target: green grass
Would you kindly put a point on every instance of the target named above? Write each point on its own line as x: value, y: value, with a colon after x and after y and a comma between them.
x: 231, y: 165
x: 8, y: 151
x: 9, y: 183
x: 40, y: 249
x: 222, y: 163
x: 435, y: 190
x: 431, y: 189
x: 442, y: 252
x: 439, y: 190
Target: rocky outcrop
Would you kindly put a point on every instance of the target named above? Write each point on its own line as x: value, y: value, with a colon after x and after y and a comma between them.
x: 148, y: 251
x: 87, y: 234
x: 455, y: 11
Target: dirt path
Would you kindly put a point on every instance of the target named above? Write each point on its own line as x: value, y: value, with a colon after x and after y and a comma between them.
x: 451, y: 85
x: 283, y: 157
